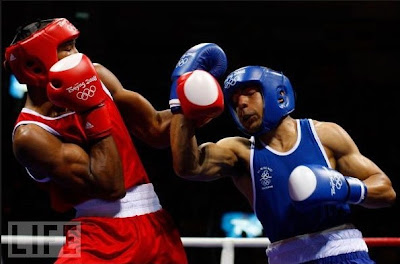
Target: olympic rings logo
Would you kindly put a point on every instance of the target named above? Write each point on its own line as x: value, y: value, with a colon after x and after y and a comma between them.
x: 336, y: 183
x: 86, y: 93
x: 230, y: 81
x: 184, y: 59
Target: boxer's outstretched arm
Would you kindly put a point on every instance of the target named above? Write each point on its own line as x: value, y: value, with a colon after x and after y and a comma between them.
x: 142, y: 119
x: 207, y: 162
x: 195, y: 99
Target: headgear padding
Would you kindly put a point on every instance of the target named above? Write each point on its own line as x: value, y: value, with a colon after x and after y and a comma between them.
x: 276, y: 90
x: 31, y: 58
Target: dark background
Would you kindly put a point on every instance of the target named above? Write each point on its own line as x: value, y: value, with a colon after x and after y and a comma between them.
x: 342, y: 59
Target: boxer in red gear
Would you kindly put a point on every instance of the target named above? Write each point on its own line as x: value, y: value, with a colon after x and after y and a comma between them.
x: 83, y: 154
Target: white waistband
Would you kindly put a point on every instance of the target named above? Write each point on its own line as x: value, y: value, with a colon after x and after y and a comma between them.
x: 139, y: 200
x: 305, y: 248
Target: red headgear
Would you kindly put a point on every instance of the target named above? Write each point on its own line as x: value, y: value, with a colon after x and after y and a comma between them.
x: 31, y: 58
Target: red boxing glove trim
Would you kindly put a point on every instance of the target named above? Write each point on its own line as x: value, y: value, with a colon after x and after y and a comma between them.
x: 97, y: 123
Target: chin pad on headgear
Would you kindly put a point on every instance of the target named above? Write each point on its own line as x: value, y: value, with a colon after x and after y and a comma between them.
x: 277, y: 92
x: 31, y: 58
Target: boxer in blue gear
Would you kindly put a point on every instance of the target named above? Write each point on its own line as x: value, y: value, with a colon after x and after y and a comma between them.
x: 299, y: 175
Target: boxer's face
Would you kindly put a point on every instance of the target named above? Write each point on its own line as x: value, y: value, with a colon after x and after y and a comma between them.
x: 249, y: 104
x: 67, y: 48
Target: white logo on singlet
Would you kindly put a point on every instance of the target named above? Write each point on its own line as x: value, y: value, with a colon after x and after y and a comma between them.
x: 265, y: 177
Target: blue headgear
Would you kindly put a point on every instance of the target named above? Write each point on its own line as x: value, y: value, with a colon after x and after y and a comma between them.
x: 276, y: 90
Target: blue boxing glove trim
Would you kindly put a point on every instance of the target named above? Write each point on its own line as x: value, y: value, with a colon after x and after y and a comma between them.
x: 174, y: 103
x: 175, y: 106
x: 357, y: 190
